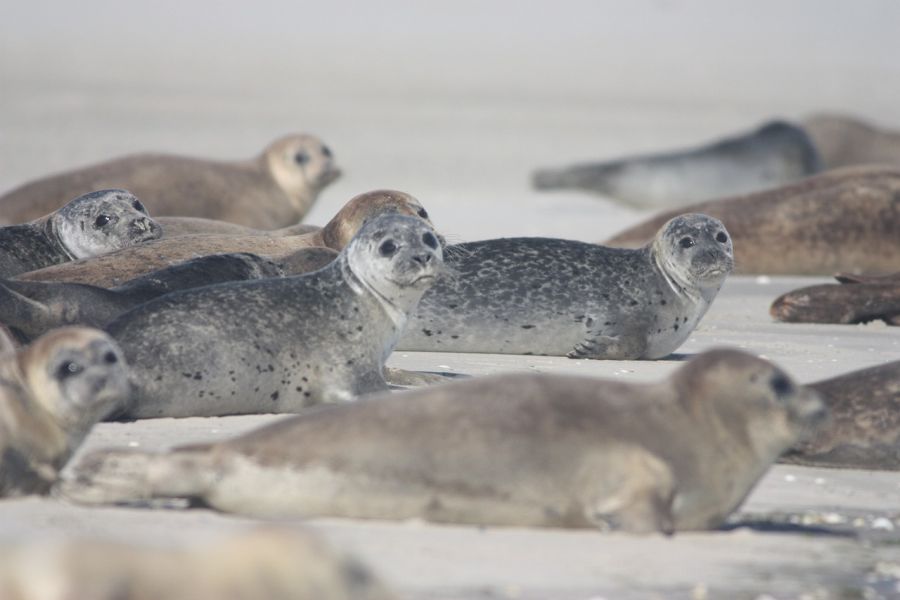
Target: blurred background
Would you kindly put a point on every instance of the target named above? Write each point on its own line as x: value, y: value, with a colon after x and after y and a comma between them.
x: 453, y: 101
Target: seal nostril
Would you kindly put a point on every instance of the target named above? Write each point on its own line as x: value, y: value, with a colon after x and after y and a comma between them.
x: 422, y: 259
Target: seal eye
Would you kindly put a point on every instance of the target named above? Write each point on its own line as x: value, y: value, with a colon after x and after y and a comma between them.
x: 101, y: 221
x: 387, y: 248
x: 781, y: 385
x: 67, y: 369
x: 138, y: 206
x: 326, y: 152
x: 301, y: 158
x: 721, y: 237
x: 686, y: 242
x: 430, y: 240
x: 110, y: 358
x: 422, y: 213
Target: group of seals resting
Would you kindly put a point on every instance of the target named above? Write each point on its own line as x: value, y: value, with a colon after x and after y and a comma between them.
x: 563, y: 451
x: 276, y: 189
x: 90, y: 225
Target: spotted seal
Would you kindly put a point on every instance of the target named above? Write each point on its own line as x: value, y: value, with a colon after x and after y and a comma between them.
x: 566, y: 298
x: 51, y: 394
x: 842, y: 220
x: 275, y: 189
x: 521, y: 449
x: 279, y: 345
x: 775, y: 154
x: 90, y: 225
x: 117, y: 268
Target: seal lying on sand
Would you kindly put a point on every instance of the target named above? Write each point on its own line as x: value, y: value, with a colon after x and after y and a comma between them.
x: 51, y: 394
x: 775, y: 154
x: 279, y: 345
x: 566, y: 298
x: 119, y: 267
x: 260, y: 564
x: 516, y: 450
x: 842, y: 141
x: 852, y: 301
x: 179, y: 226
x: 89, y: 225
x: 864, y: 429
x: 843, y: 220
x: 276, y: 189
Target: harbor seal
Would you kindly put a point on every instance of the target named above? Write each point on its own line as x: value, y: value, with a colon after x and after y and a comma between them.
x: 843, y: 141
x: 51, y: 394
x: 117, y: 268
x: 523, y: 449
x: 262, y: 563
x: 90, y: 225
x: 275, y: 189
x: 179, y: 226
x: 843, y: 220
x: 566, y: 298
x: 279, y: 345
x: 850, y: 301
x: 863, y: 431
x: 775, y: 154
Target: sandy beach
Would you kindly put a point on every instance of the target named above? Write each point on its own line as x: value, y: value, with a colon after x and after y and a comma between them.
x: 456, y: 103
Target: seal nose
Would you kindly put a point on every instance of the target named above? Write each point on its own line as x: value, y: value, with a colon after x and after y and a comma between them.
x: 423, y: 259
x: 145, y: 225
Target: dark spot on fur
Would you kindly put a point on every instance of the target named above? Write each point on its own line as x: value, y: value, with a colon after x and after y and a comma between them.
x: 198, y: 376
x: 452, y: 305
x: 527, y: 326
x: 359, y: 327
x: 307, y: 394
x: 455, y: 337
x: 274, y: 396
x: 632, y: 303
x: 427, y: 332
x: 305, y: 380
x: 676, y: 326
x: 663, y: 302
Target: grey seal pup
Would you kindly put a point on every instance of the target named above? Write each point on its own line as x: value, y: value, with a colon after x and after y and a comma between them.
x: 280, y: 345
x: 567, y: 298
x: 531, y: 450
x: 854, y: 300
x: 116, y: 268
x: 775, y: 154
x: 90, y: 225
x: 51, y: 394
x: 843, y: 141
x: 842, y: 220
x: 275, y: 189
x: 260, y: 564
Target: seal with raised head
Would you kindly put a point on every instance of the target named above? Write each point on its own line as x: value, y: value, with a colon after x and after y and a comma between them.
x: 843, y: 220
x: 516, y: 450
x: 775, y: 154
x: 90, y: 225
x: 51, y: 394
x: 843, y: 141
x: 854, y: 300
x: 117, y: 268
x: 864, y: 429
x: 263, y: 563
x: 279, y: 345
x: 275, y: 189
x: 567, y: 298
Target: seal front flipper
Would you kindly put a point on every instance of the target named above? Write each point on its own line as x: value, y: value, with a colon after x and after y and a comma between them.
x: 606, y: 347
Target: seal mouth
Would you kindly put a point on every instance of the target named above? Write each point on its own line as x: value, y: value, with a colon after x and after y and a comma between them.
x: 329, y: 175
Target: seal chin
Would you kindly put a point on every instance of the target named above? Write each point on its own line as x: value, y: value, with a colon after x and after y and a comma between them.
x: 328, y: 176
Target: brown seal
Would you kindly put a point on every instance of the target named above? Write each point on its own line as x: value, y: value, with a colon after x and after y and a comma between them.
x: 857, y: 299
x: 264, y: 563
x: 843, y: 220
x: 515, y: 450
x: 118, y: 267
x: 179, y: 226
x: 843, y: 141
x: 275, y: 189
x: 51, y: 394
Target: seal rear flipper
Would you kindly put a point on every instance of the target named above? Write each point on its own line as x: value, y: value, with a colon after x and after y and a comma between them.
x: 123, y: 476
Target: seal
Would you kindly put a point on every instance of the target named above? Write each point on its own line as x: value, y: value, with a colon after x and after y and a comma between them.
x: 567, y: 298
x: 179, y: 226
x: 523, y: 449
x: 843, y: 220
x: 275, y: 189
x: 852, y: 301
x: 843, y: 140
x: 261, y: 563
x: 90, y: 225
x: 117, y: 268
x: 279, y: 345
x: 864, y: 429
x: 775, y: 154
x: 51, y: 394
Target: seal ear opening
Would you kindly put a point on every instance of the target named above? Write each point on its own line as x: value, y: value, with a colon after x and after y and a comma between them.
x: 22, y: 313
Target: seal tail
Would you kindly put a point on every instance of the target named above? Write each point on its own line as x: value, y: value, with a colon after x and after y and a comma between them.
x: 124, y: 476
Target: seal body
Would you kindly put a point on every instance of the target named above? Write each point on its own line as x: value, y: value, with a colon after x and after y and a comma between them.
x: 51, y: 394
x: 844, y: 141
x: 90, y: 225
x: 566, y: 298
x: 276, y: 189
x: 843, y: 220
x: 516, y: 450
x: 279, y: 345
x: 844, y: 303
x: 775, y: 154
x: 117, y: 268
x: 179, y: 226
x: 864, y: 429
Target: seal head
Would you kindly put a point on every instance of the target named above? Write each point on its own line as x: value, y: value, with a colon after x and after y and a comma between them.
x: 302, y: 165
x: 102, y: 222
x: 694, y: 253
